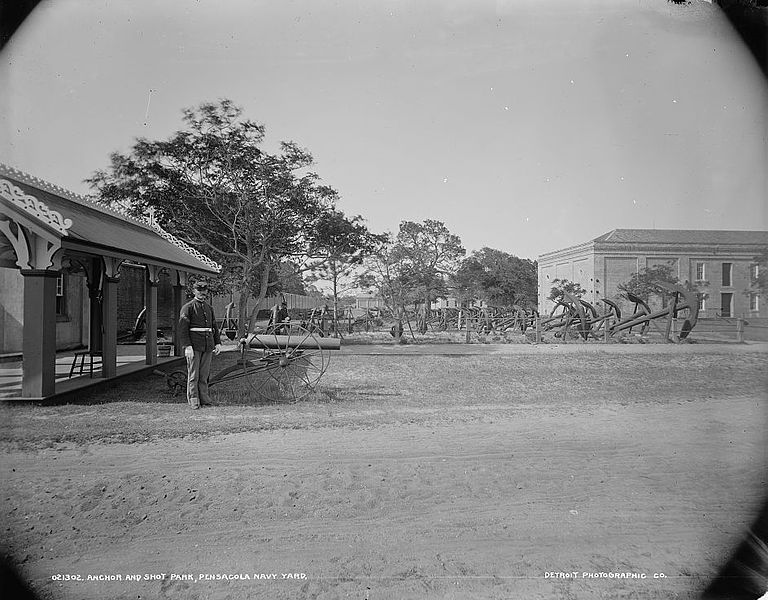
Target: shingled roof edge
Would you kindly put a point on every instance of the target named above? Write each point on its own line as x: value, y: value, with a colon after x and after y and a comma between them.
x: 47, y: 186
x: 52, y: 188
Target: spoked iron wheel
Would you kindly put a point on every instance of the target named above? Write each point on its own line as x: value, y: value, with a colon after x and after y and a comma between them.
x: 284, y: 365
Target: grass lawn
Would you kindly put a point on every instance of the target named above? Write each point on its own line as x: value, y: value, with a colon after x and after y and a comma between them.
x: 369, y: 391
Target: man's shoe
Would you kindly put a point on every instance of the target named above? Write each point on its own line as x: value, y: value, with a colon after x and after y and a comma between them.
x: 195, y: 406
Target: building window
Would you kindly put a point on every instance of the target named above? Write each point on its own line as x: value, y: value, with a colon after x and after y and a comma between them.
x: 727, y: 268
x: 701, y: 273
x: 61, y: 299
x: 702, y: 302
x: 754, y: 273
x: 754, y: 304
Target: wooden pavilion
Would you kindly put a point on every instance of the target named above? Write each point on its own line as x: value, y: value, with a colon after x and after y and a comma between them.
x: 46, y: 229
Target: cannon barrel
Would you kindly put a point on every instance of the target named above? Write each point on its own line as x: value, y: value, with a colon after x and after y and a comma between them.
x: 278, y: 342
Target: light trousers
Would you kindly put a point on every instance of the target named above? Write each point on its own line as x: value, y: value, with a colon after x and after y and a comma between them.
x: 198, y: 372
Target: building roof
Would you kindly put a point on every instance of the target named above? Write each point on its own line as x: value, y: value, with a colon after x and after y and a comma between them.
x: 84, y: 222
x: 684, y: 236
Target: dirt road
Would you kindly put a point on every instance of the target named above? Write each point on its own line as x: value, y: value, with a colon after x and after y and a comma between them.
x: 501, y: 506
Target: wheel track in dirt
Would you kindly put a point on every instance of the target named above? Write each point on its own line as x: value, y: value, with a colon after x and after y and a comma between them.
x: 447, y: 489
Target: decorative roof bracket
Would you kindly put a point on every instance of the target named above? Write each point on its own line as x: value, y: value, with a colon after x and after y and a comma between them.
x: 35, y: 207
x: 33, y: 252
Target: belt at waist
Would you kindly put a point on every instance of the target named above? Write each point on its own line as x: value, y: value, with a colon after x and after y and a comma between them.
x: 200, y: 329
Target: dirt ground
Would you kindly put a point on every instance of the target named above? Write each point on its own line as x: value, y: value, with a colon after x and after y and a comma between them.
x: 529, y: 473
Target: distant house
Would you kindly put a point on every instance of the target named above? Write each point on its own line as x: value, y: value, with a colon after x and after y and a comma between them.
x: 719, y: 263
x: 368, y: 301
x: 451, y: 302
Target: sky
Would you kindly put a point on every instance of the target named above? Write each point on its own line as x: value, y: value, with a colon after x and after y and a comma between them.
x: 523, y: 125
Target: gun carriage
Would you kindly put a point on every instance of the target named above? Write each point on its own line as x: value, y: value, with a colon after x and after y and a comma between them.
x: 284, y: 364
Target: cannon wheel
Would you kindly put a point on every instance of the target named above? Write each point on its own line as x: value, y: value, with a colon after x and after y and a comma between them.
x: 284, y: 365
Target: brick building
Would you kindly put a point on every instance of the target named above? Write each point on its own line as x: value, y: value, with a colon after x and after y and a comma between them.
x: 719, y: 263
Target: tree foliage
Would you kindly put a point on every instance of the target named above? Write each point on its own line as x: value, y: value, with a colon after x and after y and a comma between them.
x: 414, y: 266
x: 562, y: 286
x: 498, y: 278
x: 468, y: 282
x: 645, y: 283
x: 213, y: 185
x: 430, y: 253
x: 389, y: 273
x: 342, y: 245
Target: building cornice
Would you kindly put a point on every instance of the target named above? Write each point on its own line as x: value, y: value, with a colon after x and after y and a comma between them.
x: 569, y: 252
x: 677, y: 248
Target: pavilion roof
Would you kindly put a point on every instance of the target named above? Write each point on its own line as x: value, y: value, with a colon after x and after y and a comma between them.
x: 84, y: 224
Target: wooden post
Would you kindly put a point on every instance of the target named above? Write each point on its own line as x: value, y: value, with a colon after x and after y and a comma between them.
x: 179, y: 283
x: 740, y: 330
x: 150, y: 317
x: 469, y: 329
x: 94, y: 296
x: 109, y: 316
x: 109, y: 320
x: 177, y: 297
x: 38, y: 378
x: 538, y: 329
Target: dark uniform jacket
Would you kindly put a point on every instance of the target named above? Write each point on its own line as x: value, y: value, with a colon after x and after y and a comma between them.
x: 198, y: 314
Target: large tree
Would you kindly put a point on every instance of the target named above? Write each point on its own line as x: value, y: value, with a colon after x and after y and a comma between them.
x: 215, y: 187
x: 499, y: 278
x: 430, y: 254
x: 342, y: 244
x: 468, y: 282
x: 389, y: 272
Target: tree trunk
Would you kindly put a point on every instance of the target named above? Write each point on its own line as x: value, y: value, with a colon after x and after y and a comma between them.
x: 425, y: 318
x: 242, y: 313
x: 335, y: 302
x: 263, y: 284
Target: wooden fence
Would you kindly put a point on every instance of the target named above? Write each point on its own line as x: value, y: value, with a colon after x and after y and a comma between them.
x: 731, y: 329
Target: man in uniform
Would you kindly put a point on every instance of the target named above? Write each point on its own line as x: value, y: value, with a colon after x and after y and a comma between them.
x: 200, y: 339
